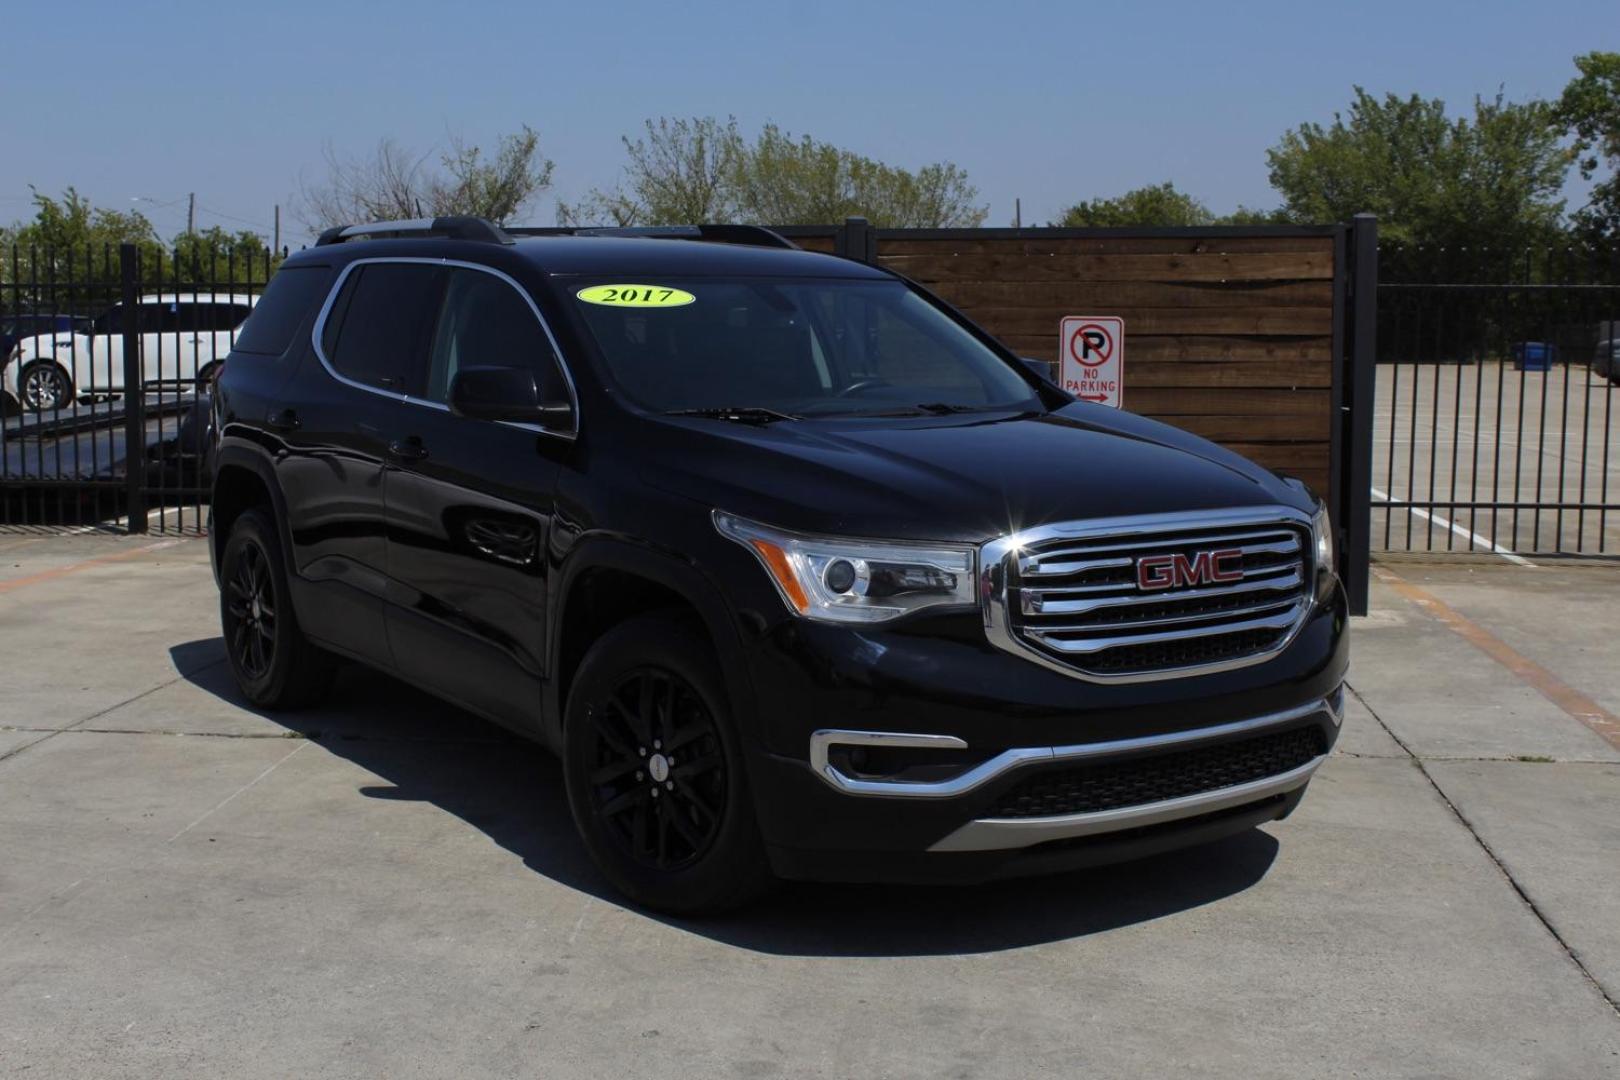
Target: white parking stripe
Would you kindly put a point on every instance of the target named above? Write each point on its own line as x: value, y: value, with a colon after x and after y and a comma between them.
x: 1445, y: 523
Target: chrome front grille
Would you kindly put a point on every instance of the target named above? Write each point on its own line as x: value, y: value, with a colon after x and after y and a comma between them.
x: 1151, y: 598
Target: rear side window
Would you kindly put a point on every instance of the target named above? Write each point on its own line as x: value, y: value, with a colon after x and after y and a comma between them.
x: 291, y: 295
x: 376, y: 333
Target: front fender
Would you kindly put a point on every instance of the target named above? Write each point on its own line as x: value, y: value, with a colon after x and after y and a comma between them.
x: 608, y: 551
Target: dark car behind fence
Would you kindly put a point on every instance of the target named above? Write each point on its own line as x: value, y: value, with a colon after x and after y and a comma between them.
x: 1496, y: 427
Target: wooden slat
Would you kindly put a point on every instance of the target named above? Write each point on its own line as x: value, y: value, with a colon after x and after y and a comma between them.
x: 1243, y: 321
x: 1138, y: 245
x: 1243, y: 428
x: 1257, y: 373
x: 1279, y: 266
x: 1104, y: 297
x: 823, y: 244
x: 1287, y: 456
x: 1227, y: 401
x: 1044, y: 346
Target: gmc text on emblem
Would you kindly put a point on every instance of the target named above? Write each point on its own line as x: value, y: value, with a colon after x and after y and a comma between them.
x: 1155, y: 572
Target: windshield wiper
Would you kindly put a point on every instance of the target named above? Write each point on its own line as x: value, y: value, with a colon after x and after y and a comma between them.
x: 738, y: 414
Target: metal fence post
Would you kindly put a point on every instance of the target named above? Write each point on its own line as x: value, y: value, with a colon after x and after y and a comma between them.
x: 1356, y: 508
x: 129, y: 275
x: 856, y: 240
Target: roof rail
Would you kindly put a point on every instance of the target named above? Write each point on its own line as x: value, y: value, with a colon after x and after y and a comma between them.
x: 752, y: 235
x: 452, y: 228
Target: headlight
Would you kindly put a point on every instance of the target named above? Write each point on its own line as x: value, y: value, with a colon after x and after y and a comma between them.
x: 1322, y: 530
x: 854, y: 581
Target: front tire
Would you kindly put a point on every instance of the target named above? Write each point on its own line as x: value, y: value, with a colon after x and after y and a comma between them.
x: 43, y: 387
x: 655, y: 771
x: 275, y: 665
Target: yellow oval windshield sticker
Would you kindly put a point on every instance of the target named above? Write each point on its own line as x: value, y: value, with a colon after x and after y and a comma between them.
x: 635, y: 296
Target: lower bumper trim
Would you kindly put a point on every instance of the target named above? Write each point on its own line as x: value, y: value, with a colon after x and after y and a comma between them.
x: 996, y: 834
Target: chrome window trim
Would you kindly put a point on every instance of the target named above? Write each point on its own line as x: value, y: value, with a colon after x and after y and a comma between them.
x: 997, y: 555
x: 823, y: 740
x: 317, y: 331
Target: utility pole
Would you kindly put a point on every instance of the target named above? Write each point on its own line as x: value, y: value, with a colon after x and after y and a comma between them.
x: 1018, y: 213
x: 275, y: 248
x: 191, y: 213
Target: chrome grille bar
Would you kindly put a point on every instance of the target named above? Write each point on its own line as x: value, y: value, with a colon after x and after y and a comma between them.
x: 1070, y: 595
x: 1039, y: 563
x: 1085, y: 646
x: 1178, y: 619
x: 1039, y: 602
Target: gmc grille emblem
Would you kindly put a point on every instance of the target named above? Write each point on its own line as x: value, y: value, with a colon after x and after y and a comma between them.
x: 1156, y: 572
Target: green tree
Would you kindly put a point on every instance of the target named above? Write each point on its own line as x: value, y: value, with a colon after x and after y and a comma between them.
x: 704, y: 170
x: 214, y: 258
x: 1589, y: 109
x: 1156, y: 205
x: 72, y: 222
x: 783, y: 180
x: 679, y: 173
x: 1454, y: 186
x: 66, y: 257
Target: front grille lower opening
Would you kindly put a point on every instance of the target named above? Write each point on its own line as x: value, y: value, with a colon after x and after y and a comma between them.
x: 1096, y: 787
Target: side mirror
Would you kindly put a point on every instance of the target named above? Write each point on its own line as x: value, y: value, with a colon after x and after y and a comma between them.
x: 1042, y: 368
x: 505, y: 393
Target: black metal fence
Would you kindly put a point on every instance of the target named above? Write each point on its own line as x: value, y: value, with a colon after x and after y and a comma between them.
x: 1495, y: 423
x: 108, y: 355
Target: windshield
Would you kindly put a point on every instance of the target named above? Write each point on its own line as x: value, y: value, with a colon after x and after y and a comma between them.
x: 800, y: 346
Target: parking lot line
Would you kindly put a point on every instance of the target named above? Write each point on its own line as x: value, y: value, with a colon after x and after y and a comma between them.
x: 1538, y: 678
x: 1444, y: 522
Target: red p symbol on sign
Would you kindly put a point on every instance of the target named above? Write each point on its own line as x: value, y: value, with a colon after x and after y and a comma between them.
x: 1092, y: 345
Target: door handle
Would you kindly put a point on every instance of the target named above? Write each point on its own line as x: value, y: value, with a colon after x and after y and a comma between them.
x: 282, y: 420
x: 409, y: 448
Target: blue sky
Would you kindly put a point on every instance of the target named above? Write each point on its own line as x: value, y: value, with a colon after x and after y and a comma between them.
x: 1051, y: 102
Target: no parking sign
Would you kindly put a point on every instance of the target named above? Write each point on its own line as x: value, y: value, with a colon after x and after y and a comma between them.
x: 1091, y: 357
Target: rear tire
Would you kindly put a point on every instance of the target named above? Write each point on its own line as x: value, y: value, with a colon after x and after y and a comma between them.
x: 655, y: 771
x: 275, y: 665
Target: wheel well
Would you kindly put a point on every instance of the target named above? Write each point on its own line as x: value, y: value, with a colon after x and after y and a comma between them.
x: 598, y: 601
x: 236, y: 488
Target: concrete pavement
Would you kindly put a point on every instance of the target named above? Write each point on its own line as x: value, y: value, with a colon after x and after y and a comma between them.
x: 386, y: 886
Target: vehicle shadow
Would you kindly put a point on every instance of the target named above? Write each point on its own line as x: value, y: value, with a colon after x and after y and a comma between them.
x: 429, y: 751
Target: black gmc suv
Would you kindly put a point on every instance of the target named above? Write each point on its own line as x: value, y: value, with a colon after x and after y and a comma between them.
x: 801, y: 573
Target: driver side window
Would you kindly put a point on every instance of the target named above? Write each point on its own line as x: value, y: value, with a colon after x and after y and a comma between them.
x: 485, y: 322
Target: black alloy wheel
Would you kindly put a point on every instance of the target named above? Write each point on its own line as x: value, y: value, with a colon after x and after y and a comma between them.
x: 275, y: 665
x: 250, y: 614
x: 658, y: 773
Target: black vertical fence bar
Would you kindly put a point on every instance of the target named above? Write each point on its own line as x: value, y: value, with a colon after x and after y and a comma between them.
x: 1394, y: 413
x: 129, y: 279
x: 1356, y: 512
x: 1475, y: 359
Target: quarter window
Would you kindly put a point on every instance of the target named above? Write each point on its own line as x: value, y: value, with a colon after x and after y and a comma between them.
x: 290, y: 296
x: 377, y: 329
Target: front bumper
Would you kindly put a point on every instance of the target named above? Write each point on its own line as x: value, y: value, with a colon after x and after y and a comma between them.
x: 1125, y: 798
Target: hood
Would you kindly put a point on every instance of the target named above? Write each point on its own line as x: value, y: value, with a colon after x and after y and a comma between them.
x: 966, y: 478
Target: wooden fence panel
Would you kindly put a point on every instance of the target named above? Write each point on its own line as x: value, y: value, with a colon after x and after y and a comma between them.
x: 1229, y: 337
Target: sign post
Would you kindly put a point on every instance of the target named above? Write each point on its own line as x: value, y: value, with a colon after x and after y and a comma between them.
x: 1091, y: 357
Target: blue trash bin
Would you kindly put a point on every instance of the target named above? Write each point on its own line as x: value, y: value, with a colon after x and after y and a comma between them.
x: 1534, y: 356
